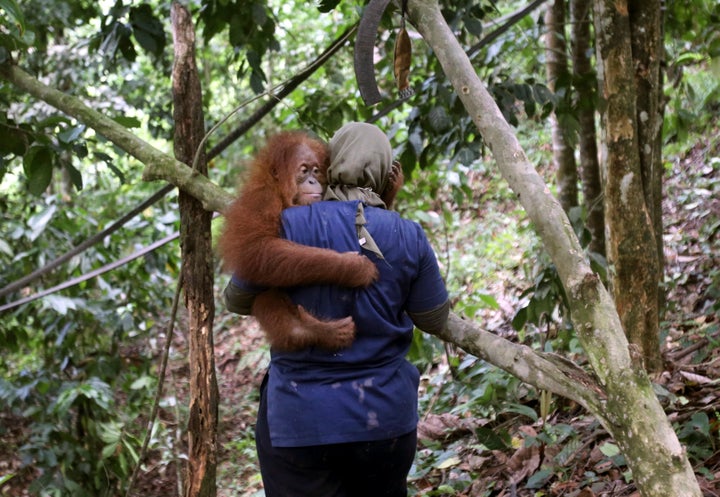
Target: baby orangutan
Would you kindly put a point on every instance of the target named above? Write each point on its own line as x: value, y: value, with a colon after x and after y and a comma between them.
x: 290, y: 171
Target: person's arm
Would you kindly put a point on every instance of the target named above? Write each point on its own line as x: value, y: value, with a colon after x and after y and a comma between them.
x: 239, y: 296
x: 428, y: 304
x: 432, y: 321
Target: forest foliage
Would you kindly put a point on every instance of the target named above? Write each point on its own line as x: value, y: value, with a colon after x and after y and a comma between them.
x: 79, y: 365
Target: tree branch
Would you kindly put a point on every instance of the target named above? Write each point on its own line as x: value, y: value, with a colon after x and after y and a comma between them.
x: 158, y: 165
x: 543, y: 371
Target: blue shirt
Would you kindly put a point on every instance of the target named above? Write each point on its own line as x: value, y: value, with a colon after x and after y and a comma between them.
x: 369, y: 390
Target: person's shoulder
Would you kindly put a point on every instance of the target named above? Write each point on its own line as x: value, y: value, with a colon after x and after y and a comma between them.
x: 324, y: 208
x: 392, y: 218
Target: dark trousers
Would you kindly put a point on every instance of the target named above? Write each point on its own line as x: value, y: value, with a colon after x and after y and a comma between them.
x: 357, y: 469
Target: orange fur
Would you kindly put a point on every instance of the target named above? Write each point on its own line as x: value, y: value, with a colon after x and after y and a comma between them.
x: 251, y: 248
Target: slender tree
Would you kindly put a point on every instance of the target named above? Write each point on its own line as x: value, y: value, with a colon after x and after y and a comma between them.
x: 631, y: 243
x: 647, y: 49
x: 198, y: 270
x: 585, y: 105
x: 556, y: 64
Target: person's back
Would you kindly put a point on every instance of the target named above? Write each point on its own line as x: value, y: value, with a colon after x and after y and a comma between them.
x: 409, y: 278
x: 369, y: 390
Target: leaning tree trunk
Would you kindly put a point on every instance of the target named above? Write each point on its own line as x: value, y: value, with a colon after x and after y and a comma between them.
x: 630, y: 410
x: 556, y: 65
x: 631, y: 246
x: 198, y: 271
x: 585, y: 85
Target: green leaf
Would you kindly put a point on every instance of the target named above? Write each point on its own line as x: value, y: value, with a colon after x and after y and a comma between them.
x: 147, y: 29
x: 39, y: 221
x: 609, y: 449
x: 448, y: 463
x: 327, y: 5
x: 521, y: 317
x: 71, y: 134
x: 521, y: 409
x: 109, y: 450
x: 5, y: 248
x: 689, y: 58
x: 474, y: 26
x: 59, y: 303
x: 539, y: 479
x: 14, y: 13
x: 490, y: 439
x: 110, y: 432
x: 126, y: 121
x: 142, y: 382
x: 75, y: 175
x: 257, y: 82
x: 38, y: 165
x: 15, y: 140
x: 489, y: 300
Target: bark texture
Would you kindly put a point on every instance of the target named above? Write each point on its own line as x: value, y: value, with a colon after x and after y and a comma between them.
x: 647, y: 51
x: 198, y: 271
x: 630, y: 410
x: 556, y: 65
x: 630, y: 236
x: 585, y: 84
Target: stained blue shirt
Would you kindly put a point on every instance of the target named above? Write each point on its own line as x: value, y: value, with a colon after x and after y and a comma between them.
x: 367, y: 391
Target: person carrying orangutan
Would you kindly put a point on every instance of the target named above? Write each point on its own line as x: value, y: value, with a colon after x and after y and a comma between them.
x: 291, y: 170
x: 343, y: 423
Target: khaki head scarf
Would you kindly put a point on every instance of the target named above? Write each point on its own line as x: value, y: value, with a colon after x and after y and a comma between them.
x: 360, y: 162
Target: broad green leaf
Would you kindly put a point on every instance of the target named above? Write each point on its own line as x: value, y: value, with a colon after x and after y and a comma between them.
x: 127, y: 121
x: 15, y: 139
x: 59, y: 303
x: 75, y: 175
x: 609, y: 449
x: 521, y: 409
x: 14, y: 13
x: 142, y: 382
x: 490, y: 439
x: 474, y: 26
x: 327, y: 5
x: 5, y: 248
x: 71, y: 134
x: 39, y: 221
x: 448, y: 463
x: 38, y: 165
x: 538, y: 480
x: 148, y: 30
x: 109, y: 450
x: 110, y: 432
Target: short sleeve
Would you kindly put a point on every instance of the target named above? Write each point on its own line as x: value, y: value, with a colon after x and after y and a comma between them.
x: 428, y: 290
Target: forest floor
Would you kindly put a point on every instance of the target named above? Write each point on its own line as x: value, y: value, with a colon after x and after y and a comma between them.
x: 577, y: 461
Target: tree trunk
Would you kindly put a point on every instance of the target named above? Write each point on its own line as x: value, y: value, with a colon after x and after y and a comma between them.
x: 630, y: 410
x: 585, y: 84
x: 647, y: 51
x: 631, y: 246
x: 559, y: 82
x: 197, y: 265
